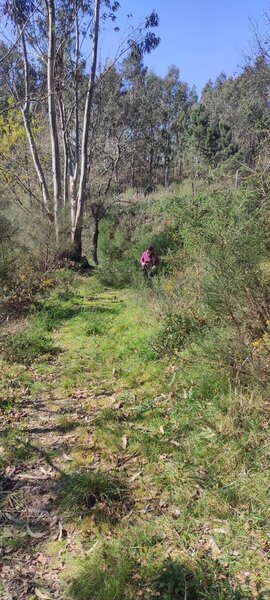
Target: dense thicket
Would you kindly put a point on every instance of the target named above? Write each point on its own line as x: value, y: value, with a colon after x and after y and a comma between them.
x: 143, y: 131
x: 75, y: 139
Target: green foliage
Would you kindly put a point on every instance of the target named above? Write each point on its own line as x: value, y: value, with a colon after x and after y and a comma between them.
x: 174, y: 582
x: 176, y: 329
x: 15, y: 449
x: 212, y: 140
x: 27, y: 345
x: 81, y: 491
x: 105, y: 575
x: 7, y: 254
x: 189, y: 438
x: 118, y: 272
x: 132, y: 566
x: 213, y: 247
x: 49, y: 316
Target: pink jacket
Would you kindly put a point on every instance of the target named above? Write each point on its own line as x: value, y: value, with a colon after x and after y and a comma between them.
x: 146, y: 258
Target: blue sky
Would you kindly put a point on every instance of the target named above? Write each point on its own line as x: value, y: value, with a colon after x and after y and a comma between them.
x: 201, y: 37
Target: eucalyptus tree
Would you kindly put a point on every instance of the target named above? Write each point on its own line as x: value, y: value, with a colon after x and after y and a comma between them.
x: 238, y: 111
x: 174, y: 122
x: 151, y: 120
x: 252, y: 118
x: 133, y: 74
x: 53, y: 36
x: 107, y: 156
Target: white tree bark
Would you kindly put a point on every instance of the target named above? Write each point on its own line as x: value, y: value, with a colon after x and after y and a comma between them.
x: 56, y: 172
x: 74, y: 163
x: 77, y: 229
x: 30, y: 137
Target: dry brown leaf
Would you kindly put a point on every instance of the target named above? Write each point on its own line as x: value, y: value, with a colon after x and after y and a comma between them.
x: 42, y: 594
x: 48, y: 472
x: 42, y: 559
x: 10, y: 470
x: 31, y: 477
x: 66, y: 457
x: 124, y: 442
x: 117, y: 405
x: 33, y: 534
x: 174, y: 511
x: 80, y: 394
x: 220, y: 530
x: 135, y: 476
x: 215, y: 550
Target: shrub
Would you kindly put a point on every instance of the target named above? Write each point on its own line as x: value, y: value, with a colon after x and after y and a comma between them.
x: 118, y: 272
x: 7, y: 253
x: 176, y: 329
x: 27, y: 345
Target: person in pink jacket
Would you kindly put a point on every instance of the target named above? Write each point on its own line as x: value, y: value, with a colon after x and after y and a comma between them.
x: 149, y: 261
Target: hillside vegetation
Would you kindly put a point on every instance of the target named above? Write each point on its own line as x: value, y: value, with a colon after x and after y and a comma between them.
x: 136, y: 416
x: 134, y: 448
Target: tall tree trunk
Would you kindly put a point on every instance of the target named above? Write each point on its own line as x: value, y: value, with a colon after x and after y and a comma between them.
x: 56, y: 172
x: 73, y: 200
x: 196, y: 165
x: 166, y: 172
x: 30, y: 137
x: 77, y: 229
x: 62, y: 113
x: 95, y: 238
x: 132, y: 182
x: 151, y: 158
x: 167, y: 161
x: 74, y: 164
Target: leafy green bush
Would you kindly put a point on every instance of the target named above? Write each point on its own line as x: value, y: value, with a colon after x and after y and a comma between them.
x: 118, y: 272
x: 7, y: 253
x: 176, y: 329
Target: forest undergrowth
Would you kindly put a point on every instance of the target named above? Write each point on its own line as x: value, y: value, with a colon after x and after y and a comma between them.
x: 128, y: 470
x: 134, y: 437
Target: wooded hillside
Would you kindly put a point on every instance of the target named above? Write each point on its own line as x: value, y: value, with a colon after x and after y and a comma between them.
x: 134, y: 449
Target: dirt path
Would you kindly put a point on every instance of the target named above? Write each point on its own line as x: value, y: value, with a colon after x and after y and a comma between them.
x: 32, y: 518
x: 106, y: 470
x: 50, y: 435
x: 41, y: 431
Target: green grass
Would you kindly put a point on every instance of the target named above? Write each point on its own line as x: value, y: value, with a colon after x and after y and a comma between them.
x: 135, y: 565
x: 10, y: 542
x: 27, y: 345
x: 169, y: 466
x: 80, y: 492
x: 15, y: 449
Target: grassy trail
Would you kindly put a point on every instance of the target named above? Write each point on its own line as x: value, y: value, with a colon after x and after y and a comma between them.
x: 106, y: 492
x: 62, y: 416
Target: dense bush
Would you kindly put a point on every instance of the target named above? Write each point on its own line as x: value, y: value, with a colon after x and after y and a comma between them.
x: 7, y: 255
x: 214, y: 270
x: 176, y: 330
